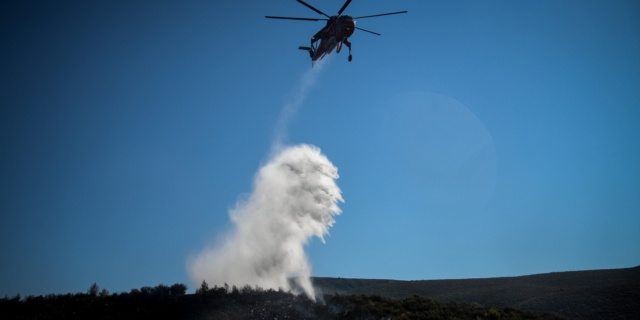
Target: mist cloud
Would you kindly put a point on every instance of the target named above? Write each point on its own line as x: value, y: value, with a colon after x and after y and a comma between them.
x: 294, y: 198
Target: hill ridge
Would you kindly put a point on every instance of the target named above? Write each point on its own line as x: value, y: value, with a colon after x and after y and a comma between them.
x: 588, y: 294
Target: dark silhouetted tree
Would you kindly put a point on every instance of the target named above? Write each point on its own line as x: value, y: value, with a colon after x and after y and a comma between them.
x: 204, y: 287
x: 178, y: 289
x: 93, y: 290
x: 234, y: 290
x: 146, y: 290
x: 104, y: 293
x: 246, y: 289
x: 161, y: 290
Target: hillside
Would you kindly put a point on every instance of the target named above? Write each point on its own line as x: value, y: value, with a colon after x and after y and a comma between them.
x: 595, y: 294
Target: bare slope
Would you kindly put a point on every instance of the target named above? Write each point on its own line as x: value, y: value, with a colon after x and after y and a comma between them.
x: 594, y: 294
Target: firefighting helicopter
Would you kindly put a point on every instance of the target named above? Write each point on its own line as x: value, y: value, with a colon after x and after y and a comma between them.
x: 338, y: 29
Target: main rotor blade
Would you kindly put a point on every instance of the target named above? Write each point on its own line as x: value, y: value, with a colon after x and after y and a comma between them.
x: 344, y: 6
x: 382, y: 14
x: 312, y: 8
x: 368, y: 31
x: 294, y: 18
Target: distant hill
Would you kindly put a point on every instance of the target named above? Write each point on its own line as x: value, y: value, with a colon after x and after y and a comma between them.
x: 595, y: 294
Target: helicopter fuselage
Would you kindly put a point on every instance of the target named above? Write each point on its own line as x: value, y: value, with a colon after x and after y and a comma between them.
x: 338, y: 29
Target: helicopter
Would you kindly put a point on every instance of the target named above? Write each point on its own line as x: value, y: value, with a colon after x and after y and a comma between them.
x: 336, y: 33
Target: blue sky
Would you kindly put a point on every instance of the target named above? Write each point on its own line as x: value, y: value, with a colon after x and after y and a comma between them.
x: 473, y: 138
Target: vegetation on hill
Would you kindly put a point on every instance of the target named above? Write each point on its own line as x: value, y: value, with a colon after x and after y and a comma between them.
x: 171, y: 302
x: 597, y: 294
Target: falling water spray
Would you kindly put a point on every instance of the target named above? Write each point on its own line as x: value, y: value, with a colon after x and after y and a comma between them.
x: 294, y: 197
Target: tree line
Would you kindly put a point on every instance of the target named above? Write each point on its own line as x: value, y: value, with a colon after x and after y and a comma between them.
x: 172, y: 302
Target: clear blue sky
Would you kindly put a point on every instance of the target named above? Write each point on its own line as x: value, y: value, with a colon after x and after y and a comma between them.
x: 473, y: 138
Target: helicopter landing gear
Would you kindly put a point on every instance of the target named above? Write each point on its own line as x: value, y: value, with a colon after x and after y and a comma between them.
x: 348, y: 44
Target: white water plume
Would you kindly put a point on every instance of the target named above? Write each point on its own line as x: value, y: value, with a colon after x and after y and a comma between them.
x: 294, y: 198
